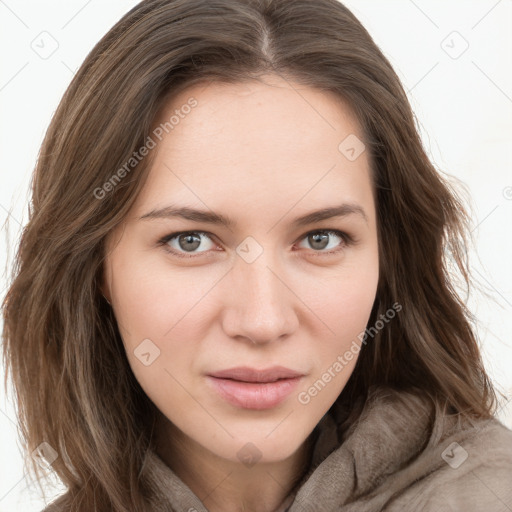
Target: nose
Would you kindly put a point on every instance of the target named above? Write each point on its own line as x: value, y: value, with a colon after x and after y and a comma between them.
x: 262, y: 306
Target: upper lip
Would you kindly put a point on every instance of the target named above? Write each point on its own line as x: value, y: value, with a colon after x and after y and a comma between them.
x: 247, y: 374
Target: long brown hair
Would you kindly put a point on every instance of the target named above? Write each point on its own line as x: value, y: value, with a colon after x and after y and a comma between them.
x: 73, y: 384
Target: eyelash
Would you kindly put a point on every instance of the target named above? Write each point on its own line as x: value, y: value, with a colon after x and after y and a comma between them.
x: 347, y: 241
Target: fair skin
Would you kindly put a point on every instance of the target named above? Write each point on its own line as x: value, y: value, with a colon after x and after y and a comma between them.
x: 262, y: 154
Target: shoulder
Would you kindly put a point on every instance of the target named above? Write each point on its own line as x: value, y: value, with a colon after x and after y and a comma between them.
x: 474, y: 472
x: 478, y: 471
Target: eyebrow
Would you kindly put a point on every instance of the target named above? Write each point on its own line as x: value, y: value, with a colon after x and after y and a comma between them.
x: 211, y: 217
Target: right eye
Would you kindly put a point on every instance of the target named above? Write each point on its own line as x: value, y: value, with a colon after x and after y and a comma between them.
x: 184, y: 242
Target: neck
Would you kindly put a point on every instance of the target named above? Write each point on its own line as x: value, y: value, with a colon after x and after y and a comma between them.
x: 225, y: 485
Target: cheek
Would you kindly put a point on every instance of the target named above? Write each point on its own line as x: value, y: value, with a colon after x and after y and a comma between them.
x: 344, y: 305
x: 159, y: 317
x: 345, y: 299
x: 150, y: 297
x: 160, y: 337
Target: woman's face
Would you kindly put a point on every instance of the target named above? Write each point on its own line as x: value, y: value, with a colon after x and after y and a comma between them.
x: 272, y: 288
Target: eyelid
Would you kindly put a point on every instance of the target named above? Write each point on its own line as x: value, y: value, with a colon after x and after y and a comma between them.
x: 167, y: 238
x: 348, y: 241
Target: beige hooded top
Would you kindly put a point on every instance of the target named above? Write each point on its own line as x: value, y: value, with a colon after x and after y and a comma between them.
x: 393, y: 459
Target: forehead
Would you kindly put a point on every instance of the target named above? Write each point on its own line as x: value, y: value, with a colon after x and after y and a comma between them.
x: 273, y: 141
x: 255, y: 111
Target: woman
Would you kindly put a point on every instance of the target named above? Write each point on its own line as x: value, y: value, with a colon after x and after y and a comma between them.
x: 232, y: 292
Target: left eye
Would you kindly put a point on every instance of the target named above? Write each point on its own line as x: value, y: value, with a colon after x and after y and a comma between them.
x: 185, y: 242
x: 319, y: 240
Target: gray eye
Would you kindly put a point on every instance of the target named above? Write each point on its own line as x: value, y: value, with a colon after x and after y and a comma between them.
x: 319, y: 240
x: 188, y: 242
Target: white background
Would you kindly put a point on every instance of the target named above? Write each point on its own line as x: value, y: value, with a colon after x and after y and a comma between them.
x: 463, y: 103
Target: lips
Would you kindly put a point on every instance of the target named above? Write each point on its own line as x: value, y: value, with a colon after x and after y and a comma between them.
x: 246, y: 374
x: 249, y: 388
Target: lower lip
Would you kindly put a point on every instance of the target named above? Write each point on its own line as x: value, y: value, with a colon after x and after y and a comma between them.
x: 254, y: 395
